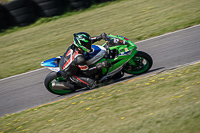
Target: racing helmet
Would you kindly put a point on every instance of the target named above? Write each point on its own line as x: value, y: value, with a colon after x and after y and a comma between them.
x: 83, y: 40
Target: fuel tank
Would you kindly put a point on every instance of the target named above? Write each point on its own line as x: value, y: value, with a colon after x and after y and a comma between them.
x: 98, y: 52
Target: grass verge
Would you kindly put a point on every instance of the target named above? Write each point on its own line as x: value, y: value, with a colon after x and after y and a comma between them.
x: 23, y: 50
x: 166, y: 103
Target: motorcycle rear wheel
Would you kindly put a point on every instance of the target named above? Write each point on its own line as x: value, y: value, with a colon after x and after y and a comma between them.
x: 54, y: 77
x: 142, y: 63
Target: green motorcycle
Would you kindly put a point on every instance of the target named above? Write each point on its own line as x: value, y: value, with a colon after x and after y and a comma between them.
x: 122, y: 57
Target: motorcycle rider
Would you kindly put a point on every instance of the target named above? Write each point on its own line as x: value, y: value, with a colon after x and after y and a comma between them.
x: 73, y: 64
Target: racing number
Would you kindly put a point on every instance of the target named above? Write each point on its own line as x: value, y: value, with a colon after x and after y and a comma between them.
x: 126, y: 49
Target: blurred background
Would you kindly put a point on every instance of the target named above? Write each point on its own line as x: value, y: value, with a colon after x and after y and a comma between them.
x: 25, y: 12
x: 37, y: 30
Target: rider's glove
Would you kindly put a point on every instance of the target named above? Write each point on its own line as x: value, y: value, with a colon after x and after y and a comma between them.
x: 102, y: 65
x: 103, y: 36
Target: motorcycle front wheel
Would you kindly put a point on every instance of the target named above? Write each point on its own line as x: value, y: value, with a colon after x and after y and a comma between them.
x: 140, y: 63
x: 54, y: 77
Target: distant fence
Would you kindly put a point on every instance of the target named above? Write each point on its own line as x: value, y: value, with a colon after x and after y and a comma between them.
x: 25, y: 12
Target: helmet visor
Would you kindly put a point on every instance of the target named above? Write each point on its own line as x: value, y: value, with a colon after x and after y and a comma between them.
x: 86, y: 44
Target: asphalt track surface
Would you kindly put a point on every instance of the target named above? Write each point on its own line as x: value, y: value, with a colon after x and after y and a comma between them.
x: 27, y: 90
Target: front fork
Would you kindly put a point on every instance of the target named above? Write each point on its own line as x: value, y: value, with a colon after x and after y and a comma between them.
x: 131, y: 61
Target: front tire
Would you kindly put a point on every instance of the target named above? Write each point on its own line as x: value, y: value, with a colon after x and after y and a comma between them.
x: 143, y: 62
x: 54, y: 77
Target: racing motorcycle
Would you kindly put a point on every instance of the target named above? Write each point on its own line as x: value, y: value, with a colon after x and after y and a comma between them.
x: 122, y: 57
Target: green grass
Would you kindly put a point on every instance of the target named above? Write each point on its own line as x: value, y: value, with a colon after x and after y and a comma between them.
x: 24, y: 49
x: 165, y: 103
x: 5, y: 1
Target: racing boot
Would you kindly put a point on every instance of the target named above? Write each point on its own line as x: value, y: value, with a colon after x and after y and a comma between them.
x: 83, y: 81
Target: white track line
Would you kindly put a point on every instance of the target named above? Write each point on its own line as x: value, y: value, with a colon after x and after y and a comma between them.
x: 22, y: 74
x: 135, y: 43
x: 168, y: 33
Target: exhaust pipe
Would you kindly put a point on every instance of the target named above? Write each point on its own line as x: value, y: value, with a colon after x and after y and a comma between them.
x: 59, y: 86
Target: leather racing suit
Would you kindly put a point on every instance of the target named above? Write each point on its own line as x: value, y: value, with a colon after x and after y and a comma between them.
x: 73, y: 67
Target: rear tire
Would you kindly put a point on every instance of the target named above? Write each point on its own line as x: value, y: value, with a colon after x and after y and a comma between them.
x: 143, y: 62
x: 54, y: 77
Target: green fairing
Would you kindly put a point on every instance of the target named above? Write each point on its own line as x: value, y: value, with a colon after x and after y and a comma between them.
x: 121, y: 59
